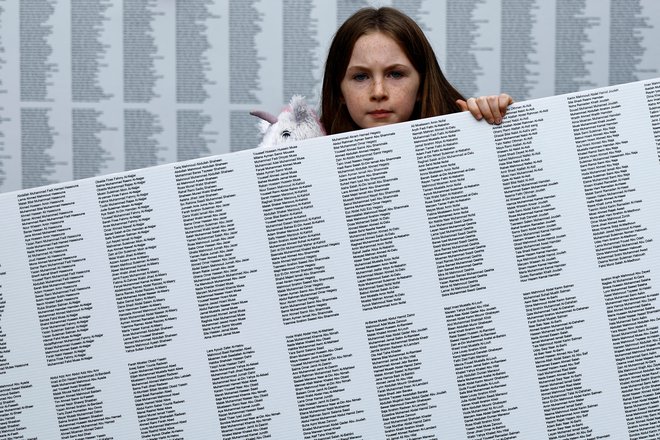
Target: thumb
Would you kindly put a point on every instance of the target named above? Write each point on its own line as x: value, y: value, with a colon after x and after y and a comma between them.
x: 462, y: 105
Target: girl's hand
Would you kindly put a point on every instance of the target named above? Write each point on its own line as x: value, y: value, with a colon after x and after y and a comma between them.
x: 491, y: 108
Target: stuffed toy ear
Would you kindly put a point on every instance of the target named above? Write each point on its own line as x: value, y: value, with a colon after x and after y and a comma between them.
x: 301, y: 111
x: 305, y: 117
x: 264, y: 126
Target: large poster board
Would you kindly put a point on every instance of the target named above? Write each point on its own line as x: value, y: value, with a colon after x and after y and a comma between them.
x: 441, y: 278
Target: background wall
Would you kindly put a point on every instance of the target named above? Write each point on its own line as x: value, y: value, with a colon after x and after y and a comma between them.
x: 90, y: 87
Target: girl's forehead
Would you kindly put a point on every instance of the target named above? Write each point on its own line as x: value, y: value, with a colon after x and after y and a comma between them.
x: 377, y: 47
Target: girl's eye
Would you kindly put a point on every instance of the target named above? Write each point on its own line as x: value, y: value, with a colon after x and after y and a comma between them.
x: 396, y: 75
x: 360, y: 76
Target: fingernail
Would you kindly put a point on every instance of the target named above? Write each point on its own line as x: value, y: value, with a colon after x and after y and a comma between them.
x: 498, y: 121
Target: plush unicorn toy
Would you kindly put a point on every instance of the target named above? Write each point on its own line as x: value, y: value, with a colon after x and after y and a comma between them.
x: 296, y: 122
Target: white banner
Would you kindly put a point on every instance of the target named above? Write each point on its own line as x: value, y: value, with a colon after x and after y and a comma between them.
x: 441, y: 278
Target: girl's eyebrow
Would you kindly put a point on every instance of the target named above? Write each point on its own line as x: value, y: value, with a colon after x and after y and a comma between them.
x: 390, y: 67
x: 357, y: 66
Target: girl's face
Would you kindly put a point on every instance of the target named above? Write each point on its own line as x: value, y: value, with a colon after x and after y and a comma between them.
x: 380, y: 85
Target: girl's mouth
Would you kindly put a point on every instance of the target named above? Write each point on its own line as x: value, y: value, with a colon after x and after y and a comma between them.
x: 380, y: 113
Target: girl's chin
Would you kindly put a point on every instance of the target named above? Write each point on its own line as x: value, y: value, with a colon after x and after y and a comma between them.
x: 377, y: 122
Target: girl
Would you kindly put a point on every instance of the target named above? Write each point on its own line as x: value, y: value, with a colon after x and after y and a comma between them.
x: 381, y: 69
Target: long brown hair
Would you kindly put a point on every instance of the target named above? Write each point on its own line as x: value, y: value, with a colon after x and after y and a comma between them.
x: 437, y: 96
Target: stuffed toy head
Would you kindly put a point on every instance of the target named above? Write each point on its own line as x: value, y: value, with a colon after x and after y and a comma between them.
x: 296, y: 122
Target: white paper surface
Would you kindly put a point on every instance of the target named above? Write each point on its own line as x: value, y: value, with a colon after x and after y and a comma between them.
x: 441, y: 278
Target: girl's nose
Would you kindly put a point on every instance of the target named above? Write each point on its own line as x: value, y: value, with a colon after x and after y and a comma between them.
x: 378, y: 90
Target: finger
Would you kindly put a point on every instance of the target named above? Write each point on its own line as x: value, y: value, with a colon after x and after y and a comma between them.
x: 504, y: 102
x: 494, y: 104
x: 486, y: 107
x: 473, y: 107
x: 462, y: 105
